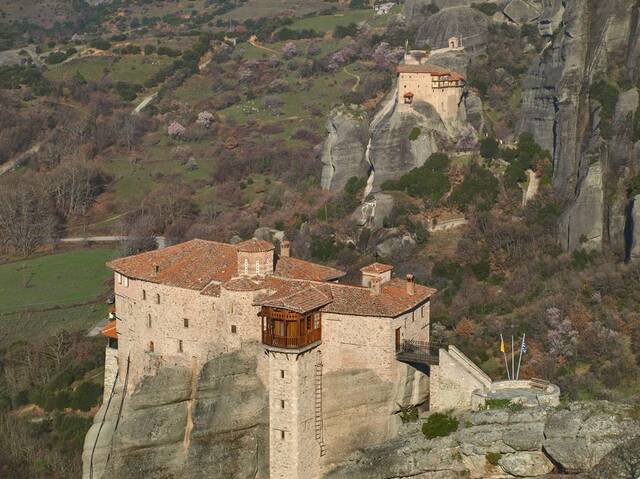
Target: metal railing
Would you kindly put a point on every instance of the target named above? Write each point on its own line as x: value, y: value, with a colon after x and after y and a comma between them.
x: 412, y: 351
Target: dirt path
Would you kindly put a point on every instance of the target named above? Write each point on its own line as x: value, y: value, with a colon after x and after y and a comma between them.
x: 353, y: 75
x: 11, y: 164
x: 532, y: 188
x: 141, y: 106
x: 254, y: 41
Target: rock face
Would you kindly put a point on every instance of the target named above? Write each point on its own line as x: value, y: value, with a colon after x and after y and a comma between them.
x: 344, y: 148
x: 519, y: 11
x: 213, y: 426
x: 465, y: 22
x: 634, y: 230
x: 591, y: 39
x: 501, y: 444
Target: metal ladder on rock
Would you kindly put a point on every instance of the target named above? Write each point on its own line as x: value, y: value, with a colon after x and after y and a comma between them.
x: 318, y: 406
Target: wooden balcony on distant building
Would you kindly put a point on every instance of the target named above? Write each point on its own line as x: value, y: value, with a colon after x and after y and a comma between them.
x: 286, y: 329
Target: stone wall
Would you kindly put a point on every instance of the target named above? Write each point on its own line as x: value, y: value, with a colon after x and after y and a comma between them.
x: 110, y: 371
x: 444, y: 100
x: 454, y: 380
x: 291, y: 412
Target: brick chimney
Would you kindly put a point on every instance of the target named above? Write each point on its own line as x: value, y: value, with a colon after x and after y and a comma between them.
x: 411, y: 287
x: 374, y: 286
x: 285, y: 249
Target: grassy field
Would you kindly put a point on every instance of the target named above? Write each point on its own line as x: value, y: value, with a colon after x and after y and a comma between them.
x: 43, y: 295
x: 129, y: 68
x: 56, y: 280
x: 325, y: 23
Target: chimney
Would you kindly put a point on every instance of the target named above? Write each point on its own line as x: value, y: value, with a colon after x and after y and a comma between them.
x: 411, y: 287
x: 374, y: 286
x: 285, y: 249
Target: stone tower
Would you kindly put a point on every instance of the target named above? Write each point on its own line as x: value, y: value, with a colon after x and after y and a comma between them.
x: 292, y: 341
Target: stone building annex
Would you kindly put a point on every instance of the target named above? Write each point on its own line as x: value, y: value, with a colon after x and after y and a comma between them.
x: 336, y: 359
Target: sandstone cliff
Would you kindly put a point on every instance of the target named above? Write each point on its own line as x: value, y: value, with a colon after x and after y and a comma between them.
x: 502, y: 444
x: 594, y: 41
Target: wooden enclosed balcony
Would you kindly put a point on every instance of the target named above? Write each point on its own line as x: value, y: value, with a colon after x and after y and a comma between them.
x: 288, y: 329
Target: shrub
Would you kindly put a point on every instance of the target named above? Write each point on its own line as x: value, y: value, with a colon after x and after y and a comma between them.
x: 439, y: 425
x: 86, y: 396
x: 408, y: 414
x: 100, y: 44
x: 493, y: 458
x: 427, y: 181
x: 149, y: 49
x: 634, y: 186
x: 415, y: 133
x: 489, y: 148
x: 479, y: 186
x: 607, y: 95
x: 345, y: 31
x: 323, y: 249
x: 503, y: 404
x: 488, y: 8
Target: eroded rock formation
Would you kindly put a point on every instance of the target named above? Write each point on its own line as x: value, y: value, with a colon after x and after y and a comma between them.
x: 501, y: 443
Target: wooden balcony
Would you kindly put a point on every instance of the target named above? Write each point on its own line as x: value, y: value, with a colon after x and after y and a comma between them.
x: 290, y: 330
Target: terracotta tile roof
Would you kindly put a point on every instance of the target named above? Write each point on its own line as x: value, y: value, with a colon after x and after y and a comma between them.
x: 393, y: 299
x: 212, y: 289
x: 295, y: 268
x: 376, y: 268
x: 109, y: 330
x: 434, y: 70
x: 301, y: 298
x: 254, y: 245
x: 192, y: 265
x: 243, y: 284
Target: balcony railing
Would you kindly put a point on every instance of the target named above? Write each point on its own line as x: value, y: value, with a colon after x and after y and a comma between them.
x: 290, y: 342
x: 410, y: 351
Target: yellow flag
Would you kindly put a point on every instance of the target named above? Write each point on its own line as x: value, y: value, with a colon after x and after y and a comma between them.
x: 501, y: 344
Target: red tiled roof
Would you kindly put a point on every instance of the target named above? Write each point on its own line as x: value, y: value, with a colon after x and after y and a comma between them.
x: 295, y: 268
x: 192, y: 265
x: 434, y: 70
x: 243, y: 284
x: 109, y: 330
x: 393, y: 299
x: 408, y: 94
x: 301, y: 298
x: 376, y: 268
x: 254, y: 245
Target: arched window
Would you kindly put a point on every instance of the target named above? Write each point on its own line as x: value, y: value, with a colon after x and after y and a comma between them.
x: 151, y: 347
x: 257, y: 267
x: 246, y: 266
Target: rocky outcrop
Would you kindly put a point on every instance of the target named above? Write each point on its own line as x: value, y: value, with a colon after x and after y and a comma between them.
x: 633, y: 230
x: 501, y: 444
x: 344, y: 148
x: 590, y: 166
x: 467, y: 23
x: 214, y: 425
x: 519, y: 11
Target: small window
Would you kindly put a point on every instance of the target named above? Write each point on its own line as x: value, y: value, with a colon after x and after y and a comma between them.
x: 144, y: 294
x: 180, y: 346
x: 148, y: 320
x: 157, y: 298
x: 126, y: 282
x: 233, y: 329
x: 281, y: 434
x: 151, y: 346
x: 119, y: 278
x: 413, y: 315
x: 186, y: 322
x: 282, y: 403
x: 282, y: 373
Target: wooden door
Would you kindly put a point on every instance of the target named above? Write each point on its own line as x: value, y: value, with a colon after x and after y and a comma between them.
x: 397, y: 340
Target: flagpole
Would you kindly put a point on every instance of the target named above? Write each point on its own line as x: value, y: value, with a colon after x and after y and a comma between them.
x: 504, y: 353
x: 513, y: 368
x: 520, y: 358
